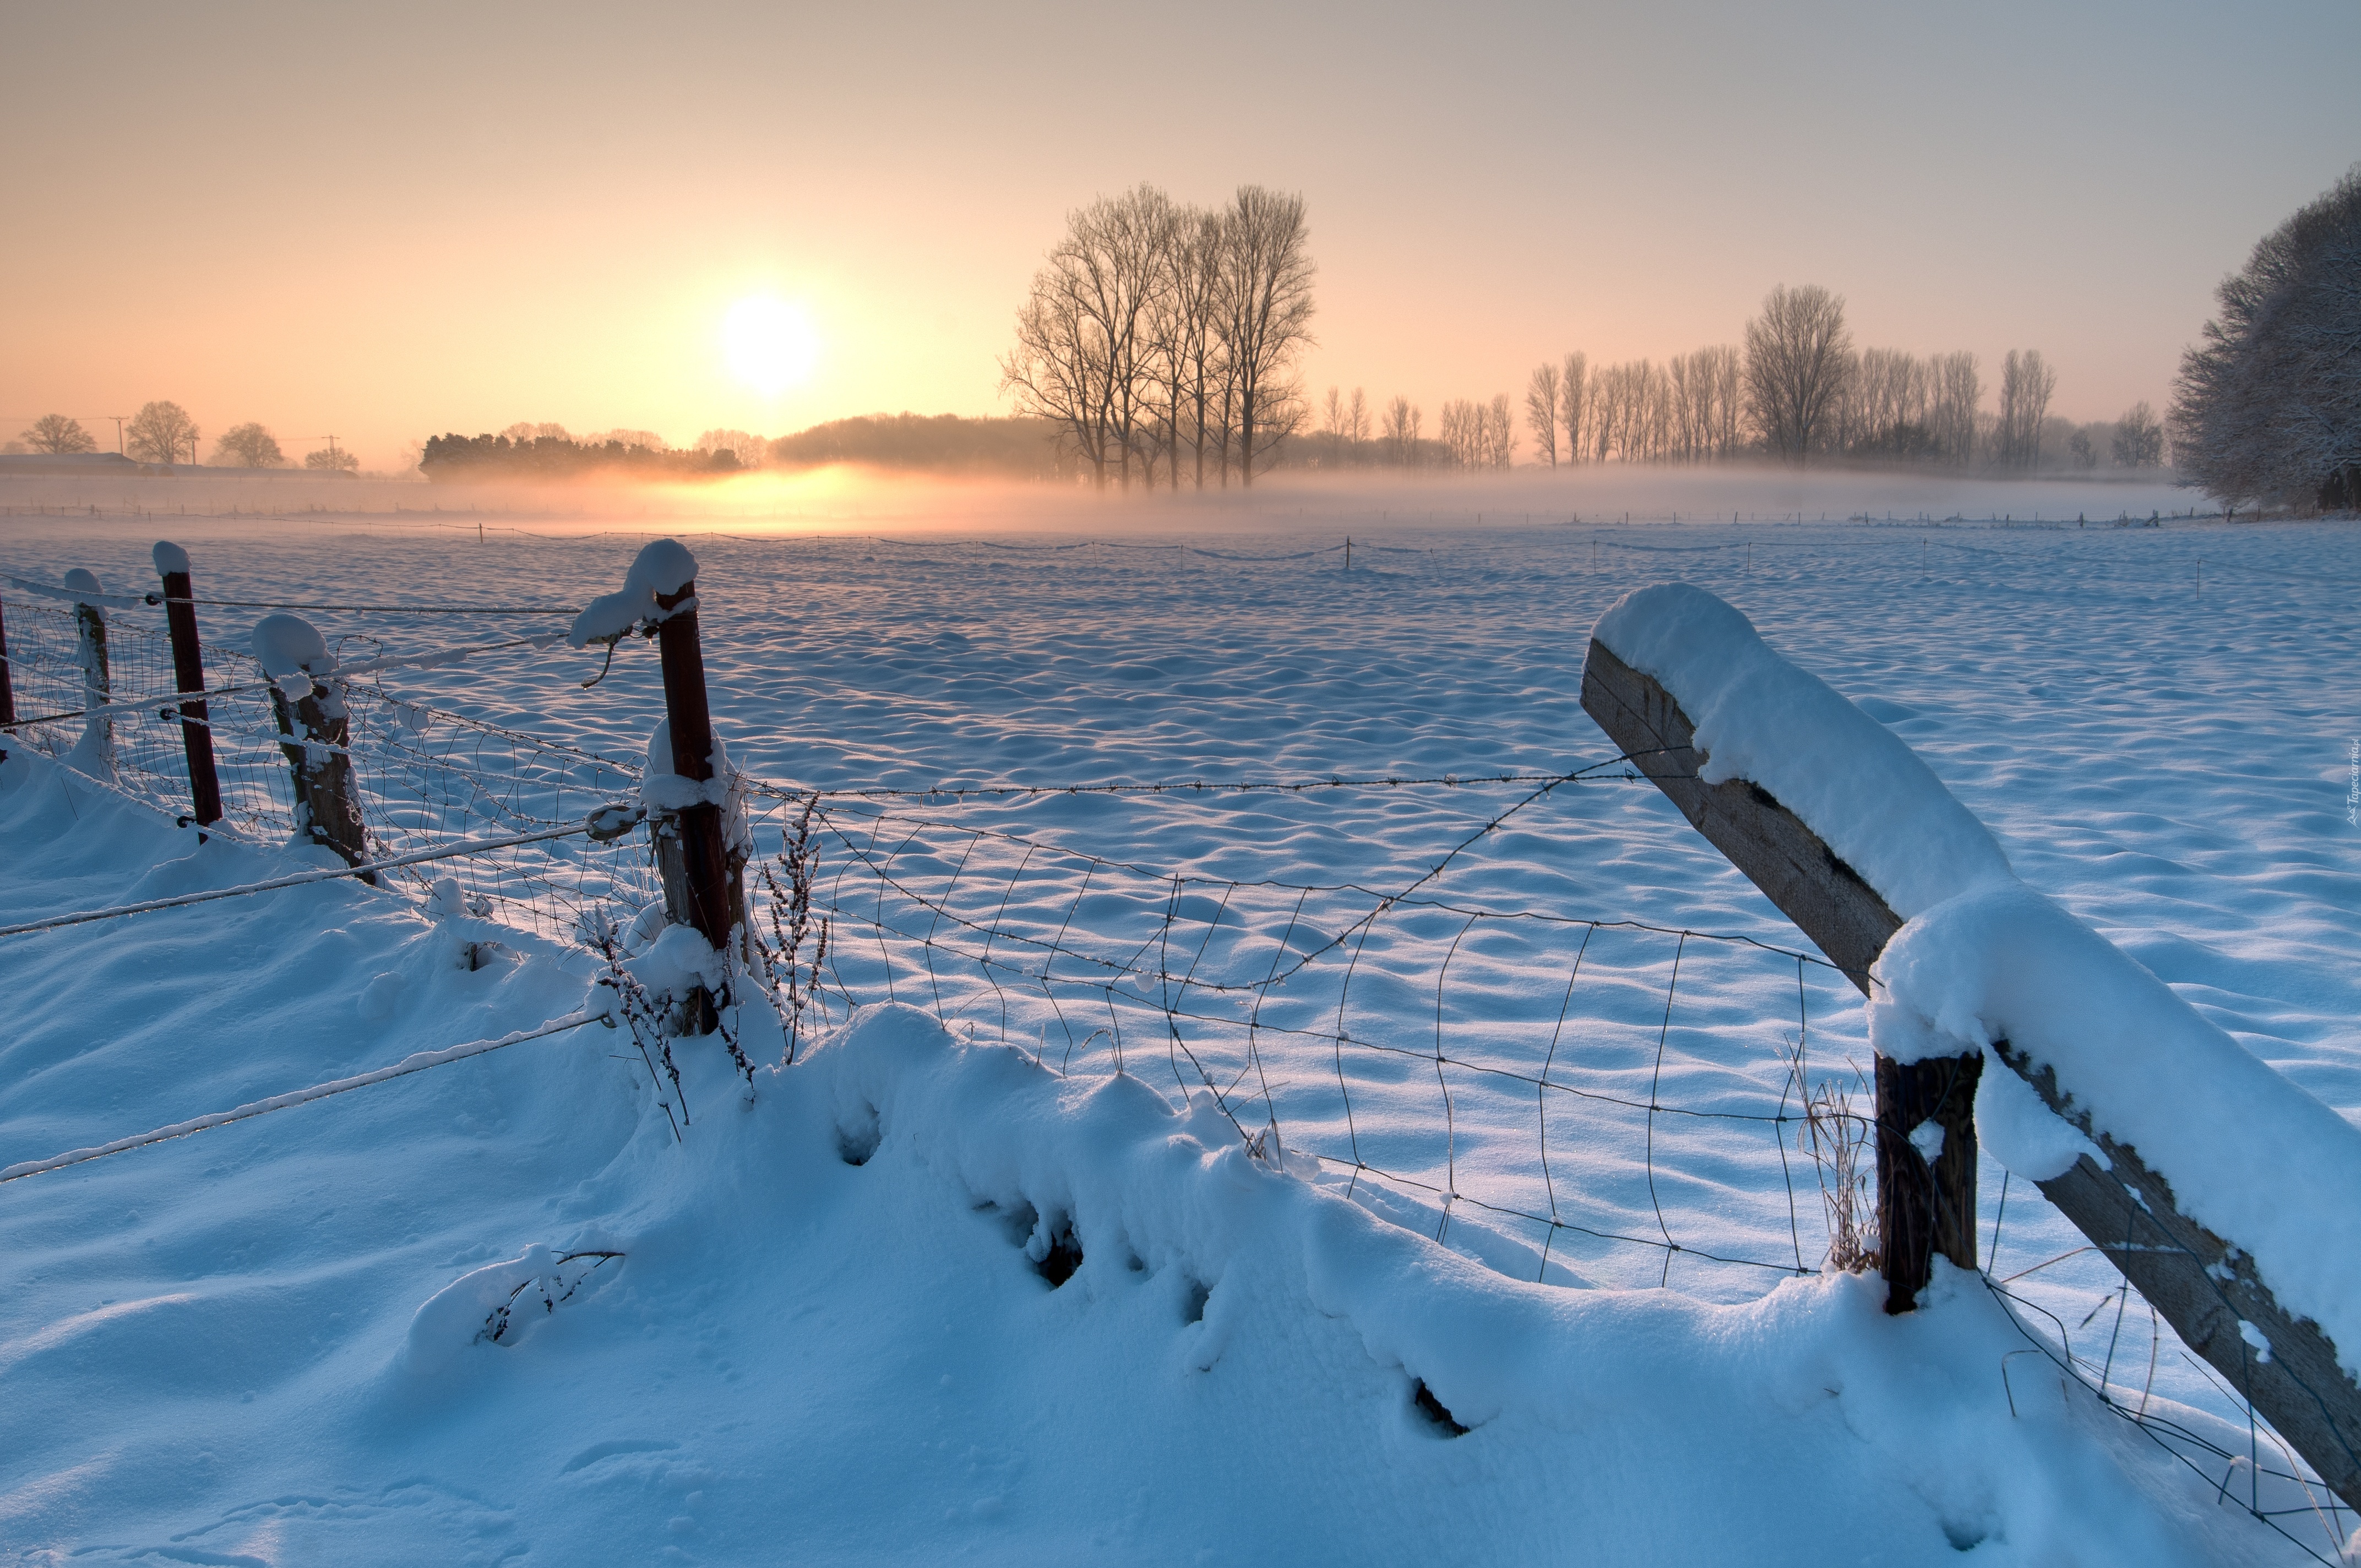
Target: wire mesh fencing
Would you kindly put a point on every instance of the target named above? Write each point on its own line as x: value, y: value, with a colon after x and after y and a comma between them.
x: 425, y: 777
x: 1606, y: 1099
x: 1568, y: 1095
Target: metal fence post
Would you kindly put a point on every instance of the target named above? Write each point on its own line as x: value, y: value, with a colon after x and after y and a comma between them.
x: 189, y: 674
x: 319, y: 734
x: 705, y: 859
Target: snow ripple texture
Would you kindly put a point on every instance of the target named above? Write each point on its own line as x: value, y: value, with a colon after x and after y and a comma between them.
x: 797, y: 1356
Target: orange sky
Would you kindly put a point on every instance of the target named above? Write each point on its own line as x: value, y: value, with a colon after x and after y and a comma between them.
x: 386, y: 224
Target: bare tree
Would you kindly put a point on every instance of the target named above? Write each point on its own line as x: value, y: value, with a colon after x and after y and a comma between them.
x: 1267, y: 321
x: 2140, y: 438
x: 1717, y: 413
x: 1459, y: 427
x: 1083, y: 357
x: 158, y: 431
x: 1573, y: 404
x: 333, y: 460
x: 249, y: 445
x: 1332, y: 427
x: 59, y: 437
x: 1955, y: 394
x: 1500, y: 431
x: 1541, y: 410
x: 2025, y: 384
x: 1356, y: 419
x: 1400, y: 432
x: 1798, y: 360
x: 1630, y: 415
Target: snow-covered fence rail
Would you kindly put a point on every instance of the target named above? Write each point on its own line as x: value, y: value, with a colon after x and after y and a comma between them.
x: 2227, y: 1195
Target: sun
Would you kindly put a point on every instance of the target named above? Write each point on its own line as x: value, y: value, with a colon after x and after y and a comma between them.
x: 769, y: 343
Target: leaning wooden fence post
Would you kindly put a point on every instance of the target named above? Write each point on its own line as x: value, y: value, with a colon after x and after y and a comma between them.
x: 1923, y: 1206
x: 2268, y: 1336
x: 318, y: 731
x: 96, y: 752
x: 189, y: 674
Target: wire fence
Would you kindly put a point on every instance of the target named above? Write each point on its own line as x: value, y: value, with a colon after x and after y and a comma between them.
x: 1568, y: 1096
x: 424, y: 777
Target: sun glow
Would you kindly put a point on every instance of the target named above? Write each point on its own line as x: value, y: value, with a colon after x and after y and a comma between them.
x: 770, y: 344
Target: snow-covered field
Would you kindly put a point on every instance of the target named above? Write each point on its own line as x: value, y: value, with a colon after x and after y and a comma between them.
x: 258, y: 1344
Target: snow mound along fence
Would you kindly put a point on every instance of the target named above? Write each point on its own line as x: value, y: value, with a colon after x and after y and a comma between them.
x: 1568, y: 1098
x: 2229, y: 1196
x: 1582, y: 1102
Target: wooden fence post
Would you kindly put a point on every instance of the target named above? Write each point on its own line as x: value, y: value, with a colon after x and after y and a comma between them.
x: 96, y: 748
x: 189, y: 674
x: 2207, y: 1286
x: 1924, y: 1206
x: 319, y: 734
x: 705, y: 897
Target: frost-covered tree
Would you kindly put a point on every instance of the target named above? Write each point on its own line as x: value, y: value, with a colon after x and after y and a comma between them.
x: 59, y: 437
x: 1799, y: 361
x: 2267, y: 406
x: 249, y: 445
x: 158, y: 431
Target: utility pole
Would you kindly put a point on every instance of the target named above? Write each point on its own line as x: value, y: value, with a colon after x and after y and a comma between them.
x: 118, y: 420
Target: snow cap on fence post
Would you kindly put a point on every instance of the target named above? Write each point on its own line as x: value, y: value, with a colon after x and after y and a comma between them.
x: 189, y: 674
x: 662, y: 567
x: 312, y: 716
x: 285, y: 645
x: 659, y: 593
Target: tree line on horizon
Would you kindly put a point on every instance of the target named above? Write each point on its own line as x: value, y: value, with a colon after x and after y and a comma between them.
x: 158, y: 432
x: 2267, y: 407
x: 1795, y: 390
